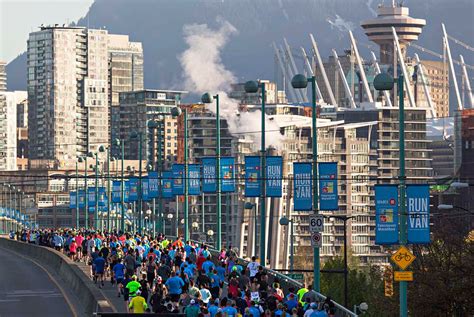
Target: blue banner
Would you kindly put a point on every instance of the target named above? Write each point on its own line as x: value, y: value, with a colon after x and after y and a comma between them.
x: 127, y: 192
x: 194, y: 179
x: 302, y: 186
x: 153, y: 184
x: 133, y: 194
x: 418, y: 208
x: 102, y: 197
x: 116, y: 191
x: 178, y: 181
x: 72, y: 200
x: 328, y: 197
x: 91, y: 197
x: 274, y: 176
x: 227, y: 175
x: 167, y: 185
x: 82, y: 198
x: 386, y: 214
x: 252, y: 176
x: 209, y: 182
x: 146, y: 189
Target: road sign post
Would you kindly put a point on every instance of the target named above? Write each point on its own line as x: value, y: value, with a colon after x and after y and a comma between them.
x: 406, y: 276
x: 316, y: 223
x: 316, y: 239
x: 403, y: 257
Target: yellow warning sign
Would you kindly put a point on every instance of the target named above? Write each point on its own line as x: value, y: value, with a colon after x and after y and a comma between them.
x: 403, y: 257
x: 403, y: 276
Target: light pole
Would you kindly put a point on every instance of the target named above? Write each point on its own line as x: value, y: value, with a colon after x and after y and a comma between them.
x: 77, y: 193
x: 300, y: 82
x: 251, y: 206
x: 120, y: 142
x: 86, y: 206
x: 139, y: 136
x: 96, y: 211
x: 384, y: 81
x: 170, y: 218
x: 252, y: 87
x: 285, y: 222
x: 207, y: 98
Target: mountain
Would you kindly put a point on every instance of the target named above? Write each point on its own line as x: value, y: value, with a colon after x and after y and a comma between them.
x: 248, y: 54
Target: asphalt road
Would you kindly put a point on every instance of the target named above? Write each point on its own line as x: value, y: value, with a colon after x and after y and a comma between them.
x: 27, y: 290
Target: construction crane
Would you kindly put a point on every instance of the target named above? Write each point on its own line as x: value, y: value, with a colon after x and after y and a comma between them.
x: 404, y: 69
x: 361, y: 69
x: 451, y: 67
x: 344, y: 81
x: 377, y: 71
x: 283, y: 70
x: 323, y: 71
x: 425, y: 88
x: 310, y: 71
x: 466, y: 80
x: 294, y: 69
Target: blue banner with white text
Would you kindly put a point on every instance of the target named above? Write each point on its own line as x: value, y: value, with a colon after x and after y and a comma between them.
x: 133, y: 187
x: 209, y: 177
x: 167, y: 185
x: 102, y: 197
x: 328, y: 197
x: 418, y: 208
x: 153, y: 183
x: 72, y: 200
x: 127, y: 192
x: 91, y: 199
x: 302, y: 186
x: 386, y: 214
x: 194, y: 179
x: 252, y: 176
x: 178, y: 179
x: 274, y: 176
x: 116, y: 191
x: 82, y: 198
x: 146, y: 189
x: 227, y: 175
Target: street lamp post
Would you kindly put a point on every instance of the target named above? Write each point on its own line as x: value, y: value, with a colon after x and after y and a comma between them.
x: 96, y: 211
x: 120, y: 142
x: 285, y: 222
x: 300, y: 82
x: 77, y: 195
x: 251, y: 206
x: 207, y: 98
x: 252, y: 87
x: 86, y: 206
x: 384, y: 81
x: 139, y: 135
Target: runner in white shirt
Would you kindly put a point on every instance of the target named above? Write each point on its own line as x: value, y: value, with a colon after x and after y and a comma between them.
x: 253, y: 267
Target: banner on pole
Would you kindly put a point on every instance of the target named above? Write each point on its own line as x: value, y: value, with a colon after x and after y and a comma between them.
x: 116, y: 191
x: 153, y: 183
x: 328, y: 197
x: 102, y: 197
x: 72, y: 200
x: 418, y: 208
x: 194, y: 179
x: 386, y: 214
x: 178, y: 181
x: 274, y: 175
x: 127, y: 192
x: 91, y: 199
x: 302, y: 186
x: 82, y: 198
x: 227, y: 175
x: 252, y: 176
x: 209, y: 177
x: 133, y: 189
x: 167, y: 185
x: 146, y: 189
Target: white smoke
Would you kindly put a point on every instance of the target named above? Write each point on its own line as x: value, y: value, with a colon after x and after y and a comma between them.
x: 340, y: 24
x: 205, y: 72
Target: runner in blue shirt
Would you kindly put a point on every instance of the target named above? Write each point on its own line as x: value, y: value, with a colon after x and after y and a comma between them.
x: 99, y: 264
x: 174, y: 285
x: 208, y: 266
x: 118, y: 271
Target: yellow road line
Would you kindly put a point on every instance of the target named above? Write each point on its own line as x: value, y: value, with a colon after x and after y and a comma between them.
x: 73, y: 309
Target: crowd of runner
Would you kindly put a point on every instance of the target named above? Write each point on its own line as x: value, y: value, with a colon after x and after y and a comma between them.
x: 161, y: 276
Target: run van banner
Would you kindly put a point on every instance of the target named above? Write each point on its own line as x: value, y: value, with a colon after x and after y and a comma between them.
x: 274, y: 176
x: 252, y: 176
x: 153, y: 184
x: 146, y: 189
x: 227, y: 175
x: 328, y: 198
x: 116, y: 191
x: 209, y: 183
x: 302, y: 186
x: 386, y: 214
x: 72, y: 200
x: 418, y: 208
x: 194, y: 179
x: 82, y: 198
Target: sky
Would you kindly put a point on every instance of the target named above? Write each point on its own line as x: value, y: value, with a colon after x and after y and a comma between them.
x: 20, y: 17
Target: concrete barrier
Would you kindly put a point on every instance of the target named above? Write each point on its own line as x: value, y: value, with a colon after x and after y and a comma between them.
x: 91, y: 299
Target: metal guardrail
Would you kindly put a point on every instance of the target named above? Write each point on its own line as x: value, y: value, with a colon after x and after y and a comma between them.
x: 285, y: 281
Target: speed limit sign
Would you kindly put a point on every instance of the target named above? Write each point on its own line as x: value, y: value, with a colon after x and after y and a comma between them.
x: 316, y: 223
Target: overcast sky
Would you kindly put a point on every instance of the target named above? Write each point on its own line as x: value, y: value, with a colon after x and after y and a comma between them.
x: 20, y: 17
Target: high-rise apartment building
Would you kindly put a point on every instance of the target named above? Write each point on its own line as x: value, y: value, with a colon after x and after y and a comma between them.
x: 67, y: 92
x: 136, y: 109
x: 3, y: 76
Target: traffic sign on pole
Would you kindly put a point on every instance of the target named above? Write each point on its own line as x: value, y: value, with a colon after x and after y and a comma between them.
x: 403, y: 276
x: 316, y: 223
x: 316, y: 239
x: 403, y: 257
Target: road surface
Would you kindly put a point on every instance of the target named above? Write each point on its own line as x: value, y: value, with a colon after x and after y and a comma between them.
x: 27, y: 290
